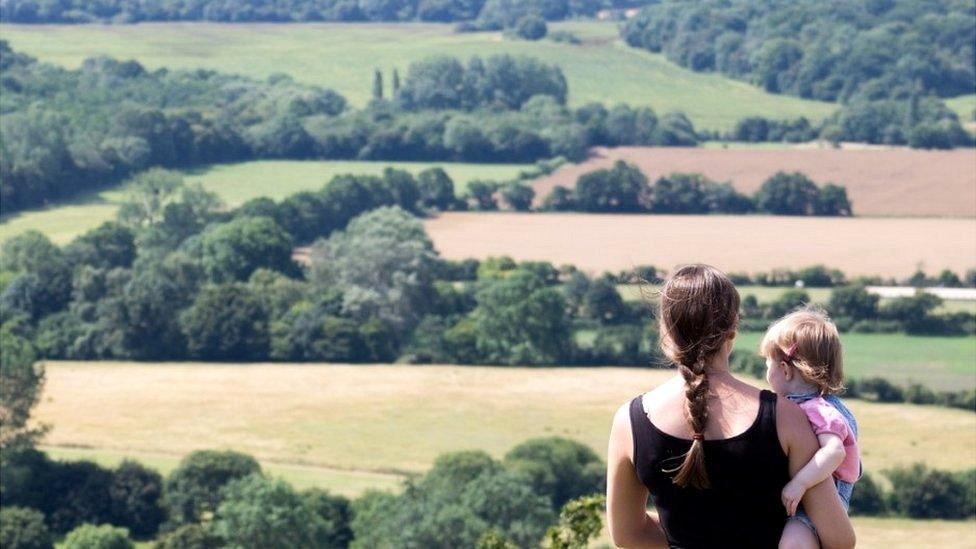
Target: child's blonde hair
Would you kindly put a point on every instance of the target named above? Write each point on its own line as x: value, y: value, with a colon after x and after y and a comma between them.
x: 808, y: 341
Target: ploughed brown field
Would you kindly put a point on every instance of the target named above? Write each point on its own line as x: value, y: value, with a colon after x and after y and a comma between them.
x: 880, y: 182
x: 893, y: 247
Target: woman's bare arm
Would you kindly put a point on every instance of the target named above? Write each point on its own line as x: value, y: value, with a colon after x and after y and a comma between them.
x: 820, y: 502
x: 629, y: 522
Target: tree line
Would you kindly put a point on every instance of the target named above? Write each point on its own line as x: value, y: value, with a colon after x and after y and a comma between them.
x: 889, y: 63
x: 624, y: 188
x: 486, y: 14
x: 179, y: 277
x: 68, y: 131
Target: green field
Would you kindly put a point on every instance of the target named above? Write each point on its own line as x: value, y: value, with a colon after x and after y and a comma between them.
x: 944, y: 363
x: 343, y: 56
x: 964, y: 106
x: 235, y: 184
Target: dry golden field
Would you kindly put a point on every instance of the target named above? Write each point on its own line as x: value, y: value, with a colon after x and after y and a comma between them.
x: 598, y: 242
x: 389, y: 418
x: 879, y: 181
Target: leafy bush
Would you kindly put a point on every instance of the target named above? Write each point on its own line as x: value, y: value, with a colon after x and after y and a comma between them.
x: 89, y: 536
x: 531, y: 27
x: 22, y: 528
x: 867, y: 498
x: 558, y: 468
x: 455, y: 504
x: 920, y: 492
x: 257, y: 512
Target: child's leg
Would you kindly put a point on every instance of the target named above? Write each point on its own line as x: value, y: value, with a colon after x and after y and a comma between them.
x: 797, y: 535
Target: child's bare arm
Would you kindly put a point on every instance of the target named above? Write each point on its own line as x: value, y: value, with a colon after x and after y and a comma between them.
x: 824, y: 463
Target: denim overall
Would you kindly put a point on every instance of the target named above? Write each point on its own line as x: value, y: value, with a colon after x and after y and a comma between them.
x: 844, y: 489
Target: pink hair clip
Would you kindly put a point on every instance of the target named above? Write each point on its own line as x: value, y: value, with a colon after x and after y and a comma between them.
x: 790, y: 353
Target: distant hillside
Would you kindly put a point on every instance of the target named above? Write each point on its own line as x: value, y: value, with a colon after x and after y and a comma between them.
x: 832, y: 50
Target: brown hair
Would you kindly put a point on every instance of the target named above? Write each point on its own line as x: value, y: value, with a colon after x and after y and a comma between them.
x: 699, y: 312
x: 818, y: 355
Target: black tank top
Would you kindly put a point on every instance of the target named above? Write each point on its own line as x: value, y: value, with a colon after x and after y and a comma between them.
x: 747, y: 472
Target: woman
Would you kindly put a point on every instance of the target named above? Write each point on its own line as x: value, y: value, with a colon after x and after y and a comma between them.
x: 713, y: 452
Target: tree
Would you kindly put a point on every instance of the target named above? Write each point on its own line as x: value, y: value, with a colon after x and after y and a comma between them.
x: 620, y: 189
x: 135, y: 494
x: 558, y: 468
x: 579, y: 521
x: 531, y: 27
x: 788, y: 194
x: 436, y: 189
x: 21, y: 381
x: 257, y: 512
x: 383, y: 264
x: 854, y: 302
x: 521, y: 321
x: 336, y: 511
x: 679, y: 193
x: 560, y: 199
x: 233, y: 250
x: 22, y: 528
x: 482, y: 195
x: 107, y: 246
x: 396, y: 83
x: 833, y: 201
x: 518, y: 196
x: 151, y: 302
x: 226, y: 322
x: 377, y: 85
x: 602, y: 301
x: 193, y: 489
x: 460, y: 499
x: 106, y: 536
x: 150, y: 192
x: 45, y: 286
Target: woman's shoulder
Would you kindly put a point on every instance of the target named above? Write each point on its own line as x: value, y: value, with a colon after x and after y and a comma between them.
x: 791, y: 422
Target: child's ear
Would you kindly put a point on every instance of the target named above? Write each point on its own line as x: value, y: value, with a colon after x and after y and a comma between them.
x: 787, y: 371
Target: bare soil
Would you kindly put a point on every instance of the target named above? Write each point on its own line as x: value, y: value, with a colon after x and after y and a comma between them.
x: 879, y: 181
x: 890, y: 247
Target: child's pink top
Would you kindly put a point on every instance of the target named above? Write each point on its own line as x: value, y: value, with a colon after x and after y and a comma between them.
x: 824, y: 418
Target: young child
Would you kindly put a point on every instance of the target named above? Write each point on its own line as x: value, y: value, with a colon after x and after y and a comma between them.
x: 804, y: 362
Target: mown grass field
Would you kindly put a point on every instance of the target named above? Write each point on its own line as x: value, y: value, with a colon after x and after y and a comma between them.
x: 343, y: 56
x: 964, y: 106
x: 375, y: 421
x: 394, y: 418
x: 235, y: 184
x: 944, y: 363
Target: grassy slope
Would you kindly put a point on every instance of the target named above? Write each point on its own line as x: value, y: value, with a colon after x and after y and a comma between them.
x: 235, y: 183
x: 945, y: 363
x: 342, y: 56
x: 392, y: 419
x: 380, y: 414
